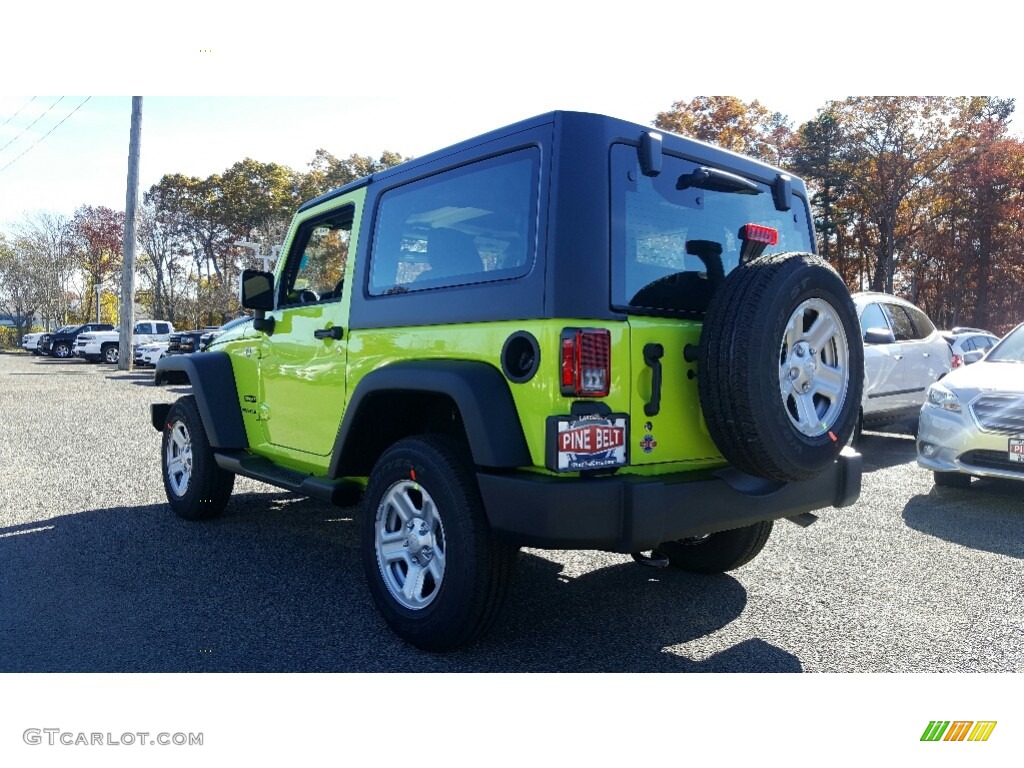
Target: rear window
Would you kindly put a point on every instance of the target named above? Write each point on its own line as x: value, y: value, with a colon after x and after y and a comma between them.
x: 673, y: 241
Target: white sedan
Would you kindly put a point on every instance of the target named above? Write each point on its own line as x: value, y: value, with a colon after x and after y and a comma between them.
x: 148, y: 354
x: 972, y: 422
x: 30, y: 342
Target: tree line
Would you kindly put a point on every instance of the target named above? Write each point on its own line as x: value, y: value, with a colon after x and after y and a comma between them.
x: 67, y: 269
x: 918, y: 196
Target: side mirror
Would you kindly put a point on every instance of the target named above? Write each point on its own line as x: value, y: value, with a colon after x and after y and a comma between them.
x: 256, y: 290
x: 973, y: 356
x: 879, y: 336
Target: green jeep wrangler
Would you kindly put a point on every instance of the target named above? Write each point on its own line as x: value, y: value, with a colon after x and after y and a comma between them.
x: 570, y: 333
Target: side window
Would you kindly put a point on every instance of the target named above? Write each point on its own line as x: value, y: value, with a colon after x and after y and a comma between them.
x: 902, y: 327
x: 468, y: 225
x: 141, y: 328
x: 982, y: 342
x: 873, y: 317
x: 922, y: 324
x: 163, y: 328
x: 315, y: 270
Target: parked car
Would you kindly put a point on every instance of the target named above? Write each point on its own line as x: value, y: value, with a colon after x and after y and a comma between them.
x: 147, y: 354
x: 570, y: 333
x: 62, y: 343
x: 30, y: 342
x: 968, y: 341
x: 972, y: 422
x: 209, y: 336
x: 903, y: 355
x: 183, y: 342
x: 94, y: 347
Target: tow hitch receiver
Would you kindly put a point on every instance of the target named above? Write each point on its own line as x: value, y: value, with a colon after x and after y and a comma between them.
x: 805, y: 520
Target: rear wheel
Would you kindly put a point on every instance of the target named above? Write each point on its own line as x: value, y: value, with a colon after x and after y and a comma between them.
x: 433, y: 567
x: 196, y: 487
x: 952, y: 479
x: 781, y: 367
x: 718, y: 552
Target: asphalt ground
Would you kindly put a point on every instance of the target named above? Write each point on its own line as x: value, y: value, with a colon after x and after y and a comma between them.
x: 97, y: 574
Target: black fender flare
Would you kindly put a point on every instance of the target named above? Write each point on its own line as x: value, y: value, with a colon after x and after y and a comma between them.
x: 213, y: 386
x: 479, y: 391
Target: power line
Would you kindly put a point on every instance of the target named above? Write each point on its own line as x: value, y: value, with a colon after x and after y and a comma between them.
x: 5, y: 146
x: 5, y: 122
x: 58, y: 125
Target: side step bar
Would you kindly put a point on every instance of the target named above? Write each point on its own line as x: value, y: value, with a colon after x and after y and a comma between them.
x: 342, y: 493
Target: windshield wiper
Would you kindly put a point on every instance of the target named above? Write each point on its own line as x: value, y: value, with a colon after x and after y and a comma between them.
x: 715, y: 180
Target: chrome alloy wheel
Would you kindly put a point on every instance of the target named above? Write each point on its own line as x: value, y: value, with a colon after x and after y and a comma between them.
x: 178, y: 459
x: 814, y: 363
x: 410, y: 545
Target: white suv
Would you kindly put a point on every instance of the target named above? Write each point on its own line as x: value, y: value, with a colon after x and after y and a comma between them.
x: 903, y: 355
x: 104, y: 345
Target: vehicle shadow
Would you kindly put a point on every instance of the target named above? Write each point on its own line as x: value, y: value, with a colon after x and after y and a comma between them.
x: 143, y: 378
x: 883, y: 450
x: 276, y: 585
x: 988, y: 516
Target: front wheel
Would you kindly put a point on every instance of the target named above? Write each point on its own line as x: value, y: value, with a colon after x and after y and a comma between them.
x: 433, y: 567
x: 196, y: 487
x: 718, y: 552
x: 62, y: 350
x: 111, y: 353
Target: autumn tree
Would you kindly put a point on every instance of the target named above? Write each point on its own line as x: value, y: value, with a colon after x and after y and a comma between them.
x: 327, y: 172
x: 100, y: 232
x: 19, y: 293
x: 47, y: 242
x: 751, y: 129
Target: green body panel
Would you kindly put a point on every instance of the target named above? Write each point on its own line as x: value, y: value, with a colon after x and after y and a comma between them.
x: 677, y: 432
x: 293, y: 388
x: 291, y: 385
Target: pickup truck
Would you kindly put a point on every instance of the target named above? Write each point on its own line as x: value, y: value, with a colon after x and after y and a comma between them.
x: 105, y: 345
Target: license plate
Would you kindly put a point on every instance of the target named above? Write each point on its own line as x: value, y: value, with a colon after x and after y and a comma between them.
x: 1016, y: 449
x: 588, y: 442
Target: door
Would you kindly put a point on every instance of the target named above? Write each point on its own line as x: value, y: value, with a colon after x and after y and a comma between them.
x: 302, y: 362
x: 882, y: 372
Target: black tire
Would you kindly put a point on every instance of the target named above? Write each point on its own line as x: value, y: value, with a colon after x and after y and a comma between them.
x: 62, y: 350
x: 747, y: 343
x: 718, y: 552
x: 952, y: 479
x: 858, y: 431
x: 111, y: 353
x: 460, y: 603
x: 196, y: 487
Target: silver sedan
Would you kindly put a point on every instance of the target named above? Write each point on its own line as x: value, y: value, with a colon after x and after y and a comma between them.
x: 972, y: 422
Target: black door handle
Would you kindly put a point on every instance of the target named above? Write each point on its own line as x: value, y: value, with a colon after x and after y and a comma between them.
x: 334, y: 332
x: 652, y: 357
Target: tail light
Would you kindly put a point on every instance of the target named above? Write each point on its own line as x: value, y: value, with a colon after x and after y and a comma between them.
x: 957, y: 361
x: 586, y: 362
x: 755, y: 239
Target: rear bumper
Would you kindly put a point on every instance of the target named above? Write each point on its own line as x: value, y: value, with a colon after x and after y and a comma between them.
x: 630, y: 513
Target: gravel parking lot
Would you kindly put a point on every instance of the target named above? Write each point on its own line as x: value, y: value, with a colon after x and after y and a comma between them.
x: 96, y: 573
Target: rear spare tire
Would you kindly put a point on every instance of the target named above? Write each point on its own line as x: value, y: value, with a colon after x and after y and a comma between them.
x: 781, y: 366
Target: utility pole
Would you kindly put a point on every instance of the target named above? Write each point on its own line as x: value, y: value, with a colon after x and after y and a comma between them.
x: 124, y: 358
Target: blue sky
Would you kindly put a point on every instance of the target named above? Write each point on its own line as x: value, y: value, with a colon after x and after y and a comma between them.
x: 84, y: 159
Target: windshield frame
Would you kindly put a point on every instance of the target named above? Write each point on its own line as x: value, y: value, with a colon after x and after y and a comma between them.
x: 1014, y: 341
